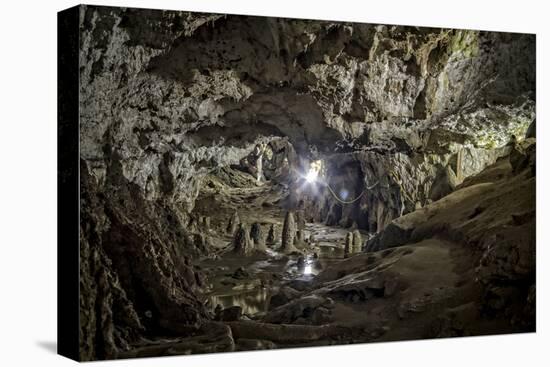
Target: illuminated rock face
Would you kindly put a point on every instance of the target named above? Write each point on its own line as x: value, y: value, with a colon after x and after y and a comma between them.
x: 403, y: 113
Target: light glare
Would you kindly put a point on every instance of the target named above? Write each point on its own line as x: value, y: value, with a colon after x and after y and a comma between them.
x: 312, y: 175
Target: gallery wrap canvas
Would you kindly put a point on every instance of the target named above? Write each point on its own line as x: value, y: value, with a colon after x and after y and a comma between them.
x: 234, y: 183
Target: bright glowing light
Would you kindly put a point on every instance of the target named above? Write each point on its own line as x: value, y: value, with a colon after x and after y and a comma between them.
x: 312, y: 175
x: 307, y: 270
x: 314, y: 170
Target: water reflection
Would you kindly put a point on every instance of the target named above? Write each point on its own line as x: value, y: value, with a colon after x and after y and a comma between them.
x: 331, y: 251
x: 251, y: 302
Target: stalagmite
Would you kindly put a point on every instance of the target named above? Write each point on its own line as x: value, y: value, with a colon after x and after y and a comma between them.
x: 257, y: 236
x: 241, y: 241
x: 256, y: 232
x: 271, y: 239
x: 259, y: 170
x: 299, y: 239
x: 357, y: 242
x: 300, y: 220
x: 206, y: 223
x: 258, y: 153
x: 301, y: 263
x: 233, y: 224
x: 289, y: 231
x: 348, y: 247
x: 192, y: 225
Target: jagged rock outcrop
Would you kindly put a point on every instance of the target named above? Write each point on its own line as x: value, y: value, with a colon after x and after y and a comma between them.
x: 135, y: 271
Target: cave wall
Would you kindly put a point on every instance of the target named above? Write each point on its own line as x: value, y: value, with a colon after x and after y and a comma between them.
x: 152, y: 80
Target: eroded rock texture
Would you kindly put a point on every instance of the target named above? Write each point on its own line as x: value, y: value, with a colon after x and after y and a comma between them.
x: 168, y: 99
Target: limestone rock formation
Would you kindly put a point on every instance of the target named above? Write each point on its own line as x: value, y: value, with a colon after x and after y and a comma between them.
x: 357, y: 242
x: 256, y: 233
x: 241, y: 242
x: 353, y: 243
x: 348, y: 246
x: 400, y: 101
x: 128, y: 268
x: 289, y: 232
x: 233, y: 223
x: 206, y: 223
x: 257, y: 236
x: 300, y: 220
x: 271, y: 237
x: 299, y: 240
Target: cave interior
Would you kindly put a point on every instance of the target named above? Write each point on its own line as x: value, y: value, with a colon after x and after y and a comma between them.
x: 254, y: 183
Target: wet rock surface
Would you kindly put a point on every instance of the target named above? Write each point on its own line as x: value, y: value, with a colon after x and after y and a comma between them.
x: 200, y: 232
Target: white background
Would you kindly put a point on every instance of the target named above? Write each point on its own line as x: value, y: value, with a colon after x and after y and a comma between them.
x: 28, y: 183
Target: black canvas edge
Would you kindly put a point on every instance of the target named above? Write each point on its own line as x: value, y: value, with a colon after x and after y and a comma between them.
x: 68, y: 187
